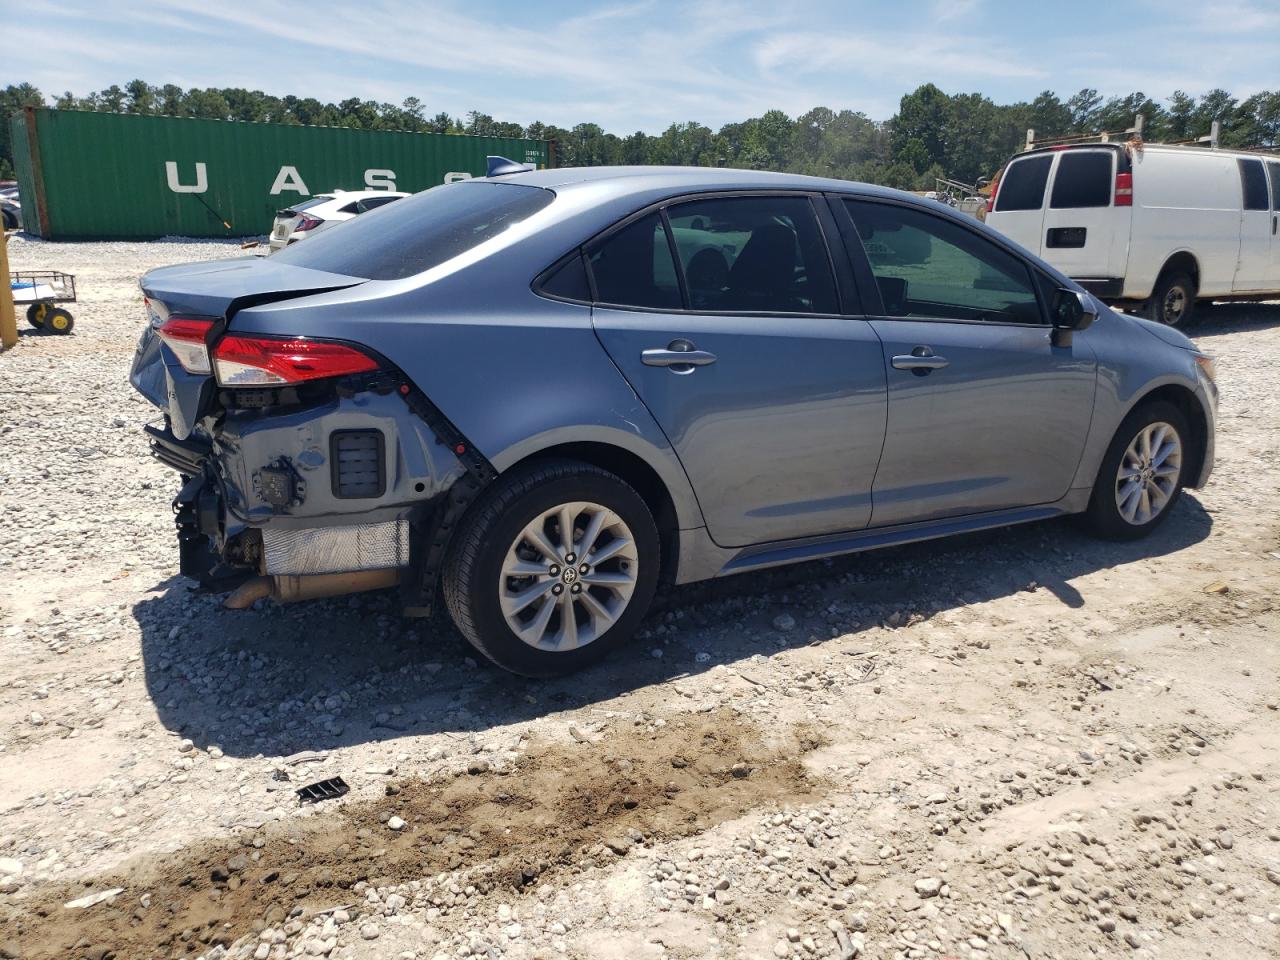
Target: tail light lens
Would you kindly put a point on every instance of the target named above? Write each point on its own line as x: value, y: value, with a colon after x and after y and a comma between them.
x: 185, y: 336
x: 995, y: 189
x: 244, y: 361
x: 307, y: 223
x: 1124, y: 189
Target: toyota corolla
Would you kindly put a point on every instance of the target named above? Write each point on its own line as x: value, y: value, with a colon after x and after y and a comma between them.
x: 538, y: 396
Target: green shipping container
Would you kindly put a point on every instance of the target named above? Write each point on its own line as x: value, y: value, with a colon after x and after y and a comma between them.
x: 106, y: 175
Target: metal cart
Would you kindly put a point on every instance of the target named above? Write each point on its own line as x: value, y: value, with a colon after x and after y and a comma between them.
x: 42, y: 289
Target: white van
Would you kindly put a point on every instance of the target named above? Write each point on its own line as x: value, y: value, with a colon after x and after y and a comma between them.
x: 1148, y: 226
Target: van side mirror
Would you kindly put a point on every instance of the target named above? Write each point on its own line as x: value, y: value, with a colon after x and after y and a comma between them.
x: 1071, y: 311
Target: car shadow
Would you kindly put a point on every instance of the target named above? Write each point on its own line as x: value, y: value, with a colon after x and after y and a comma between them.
x: 276, y: 680
x: 1214, y: 320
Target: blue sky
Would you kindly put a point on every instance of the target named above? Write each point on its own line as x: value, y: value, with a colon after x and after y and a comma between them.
x: 647, y: 63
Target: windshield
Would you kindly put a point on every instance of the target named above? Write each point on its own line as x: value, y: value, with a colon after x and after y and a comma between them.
x: 419, y: 232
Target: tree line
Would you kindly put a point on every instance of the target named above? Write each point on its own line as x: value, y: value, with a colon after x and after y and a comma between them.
x: 934, y: 134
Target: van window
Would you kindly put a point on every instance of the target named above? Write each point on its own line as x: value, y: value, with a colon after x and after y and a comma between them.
x: 1083, y: 180
x: 633, y: 267
x: 1273, y: 170
x: 1254, y: 182
x: 1022, y: 187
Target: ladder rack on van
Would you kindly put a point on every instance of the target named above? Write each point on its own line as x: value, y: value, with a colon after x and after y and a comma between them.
x: 1133, y: 133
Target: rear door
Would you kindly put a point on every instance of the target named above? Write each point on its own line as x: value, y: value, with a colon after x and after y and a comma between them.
x: 985, y: 411
x: 1085, y: 233
x: 778, y: 413
x: 1253, y: 268
x: 1020, y: 196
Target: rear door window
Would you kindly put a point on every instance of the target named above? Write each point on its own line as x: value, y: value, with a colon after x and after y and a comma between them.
x: 1273, y: 171
x: 1022, y: 186
x: 419, y: 232
x: 760, y: 254
x: 633, y: 267
x: 1253, y: 180
x: 1083, y: 180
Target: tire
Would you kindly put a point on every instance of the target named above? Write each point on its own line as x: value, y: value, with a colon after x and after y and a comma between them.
x: 10, y: 219
x: 1173, y: 302
x: 58, y: 320
x: 1105, y: 516
x: 36, y: 314
x: 494, y: 538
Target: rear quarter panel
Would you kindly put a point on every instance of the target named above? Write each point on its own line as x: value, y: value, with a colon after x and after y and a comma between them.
x: 515, y: 372
x: 1184, y: 202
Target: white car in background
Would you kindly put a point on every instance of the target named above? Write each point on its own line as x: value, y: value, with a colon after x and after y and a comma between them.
x: 324, y: 210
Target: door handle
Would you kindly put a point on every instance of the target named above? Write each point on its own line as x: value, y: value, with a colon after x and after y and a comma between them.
x: 679, y: 356
x: 920, y: 360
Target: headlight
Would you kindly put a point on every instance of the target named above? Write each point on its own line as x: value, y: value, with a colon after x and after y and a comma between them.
x: 1207, y: 365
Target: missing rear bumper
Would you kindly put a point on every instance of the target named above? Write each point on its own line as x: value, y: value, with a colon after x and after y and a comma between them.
x: 342, y: 549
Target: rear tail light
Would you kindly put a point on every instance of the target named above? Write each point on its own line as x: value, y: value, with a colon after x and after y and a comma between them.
x: 251, y: 361
x: 1124, y: 189
x: 307, y: 223
x: 185, y: 336
x: 995, y: 189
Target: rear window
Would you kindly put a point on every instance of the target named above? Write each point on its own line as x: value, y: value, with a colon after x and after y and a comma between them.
x: 1254, y: 181
x: 420, y: 232
x: 1083, y: 180
x: 1022, y: 186
x: 1273, y: 171
x: 633, y: 267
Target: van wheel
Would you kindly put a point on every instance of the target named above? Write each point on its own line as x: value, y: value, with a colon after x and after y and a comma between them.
x: 553, y: 568
x: 1173, y: 302
x: 1142, y: 473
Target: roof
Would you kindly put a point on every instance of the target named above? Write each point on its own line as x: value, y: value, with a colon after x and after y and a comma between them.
x: 638, y: 179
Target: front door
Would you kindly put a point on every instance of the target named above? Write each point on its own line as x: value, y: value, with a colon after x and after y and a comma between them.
x: 773, y: 401
x: 985, y: 413
x: 1273, y: 176
x: 1253, y: 268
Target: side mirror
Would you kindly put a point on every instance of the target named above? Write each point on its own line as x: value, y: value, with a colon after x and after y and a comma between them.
x: 1071, y: 311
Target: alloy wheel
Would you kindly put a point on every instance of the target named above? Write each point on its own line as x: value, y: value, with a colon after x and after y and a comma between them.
x: 568, y: 576
x: 1148, y: 474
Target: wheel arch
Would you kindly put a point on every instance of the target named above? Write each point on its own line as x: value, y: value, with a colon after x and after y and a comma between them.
x: 1180, y: 261
x: 1188, y: 404
x: 636, y: 471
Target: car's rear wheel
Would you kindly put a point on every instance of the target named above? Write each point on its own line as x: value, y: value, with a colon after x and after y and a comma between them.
x: 1142, y: 473
x: 553, y: 568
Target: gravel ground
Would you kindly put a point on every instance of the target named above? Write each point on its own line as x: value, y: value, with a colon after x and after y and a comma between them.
x: 1025, y: 744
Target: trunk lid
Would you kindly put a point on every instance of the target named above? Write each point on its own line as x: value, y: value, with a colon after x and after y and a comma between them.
x: 214, y: 290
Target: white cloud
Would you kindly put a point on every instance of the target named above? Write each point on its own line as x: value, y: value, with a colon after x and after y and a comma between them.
x: 629, y: 64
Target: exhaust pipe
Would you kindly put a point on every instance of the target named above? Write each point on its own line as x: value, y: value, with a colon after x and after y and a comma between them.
x: 288, y: 589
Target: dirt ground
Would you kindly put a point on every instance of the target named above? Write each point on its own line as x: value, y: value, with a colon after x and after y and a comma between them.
x: 1025, y: 744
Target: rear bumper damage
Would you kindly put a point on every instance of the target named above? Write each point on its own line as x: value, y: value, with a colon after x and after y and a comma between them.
x: 336, y: 497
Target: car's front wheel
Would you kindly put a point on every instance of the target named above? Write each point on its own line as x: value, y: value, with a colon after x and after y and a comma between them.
x: 554, y: 567
x: 1142, y: 473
